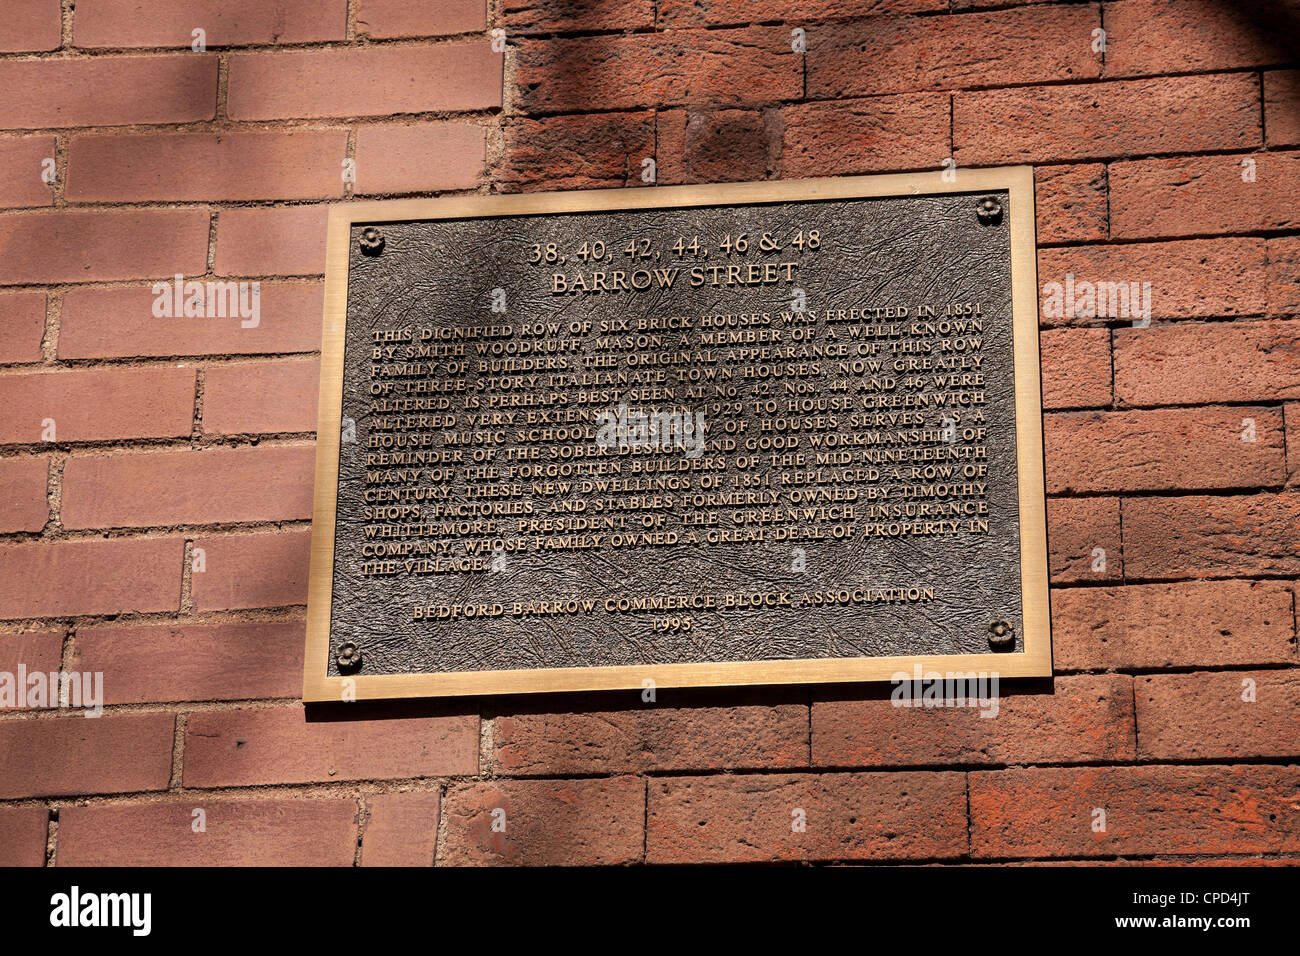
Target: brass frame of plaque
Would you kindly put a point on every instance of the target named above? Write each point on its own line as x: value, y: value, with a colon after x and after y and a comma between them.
x: 1034, y: 661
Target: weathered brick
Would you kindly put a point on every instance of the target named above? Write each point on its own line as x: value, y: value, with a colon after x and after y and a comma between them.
x: 1049, y: 812
x: 252, y: 570
x: 902, y: 54
x: 261, y: 397
x: 399, y: 18
x: 1199, y: 363
x: 23, y: 166
x: 96, y: 404
x: 22, y: 326
x: 274, y: 240
x: 1198, y: 195
x: 119, y: 322
x: 152, y: 167
x: 849, y: 816
x: 731, y: 145
x: 589, y: 151
x: 23, y: 487
x: 22, y: 835
x: 210, y: 486
x: 182, y: 662
x: 83, y: 245
x: 870, y: 135
x: 547, y: 822
x: 1282, y: 107
x: 582, y: 740
x: 1076, y: 367
x: 261, y: 832
x: 1190, y: 36
x: 419, y: 158
x: 49, y: 756
x: 107, y: 91
x: 1187, y: 624
x: 1083, y: 538
x: 1070, y: 203
x: 139, y: 23
x: 236, y: 748
x: 374, y: 81
x: 1164, y: 450
x: 1216, y: 715
x: 1199, y: 277
x: 401, y: 829
x: 675, y: 14
x: 563, y: 16
x: 116, y: 576
x: 31, y: 26
x: 1284, y: 275
x: 713, y: 67
x: 1292, y: 416
x: 1201, y: 536
x: 1083, y: 719
x: 1183, y: 114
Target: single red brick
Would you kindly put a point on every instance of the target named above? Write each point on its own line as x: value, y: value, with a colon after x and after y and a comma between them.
x: 151, y: 167
x: 1083, y: 719
x: 1284, y: 275
x: 1050, y: 812
x: 1164, y: 449
x: 902, y: 54
x: 122, y: 753
x: 1189, y: 36
x: 35, y: 652
x: 31, y: 26
x: 675, y: 14
x: 94, y: 404
x: 401, y: 829
x: 24, y: 163
x: 210, y: 486
x: 152, y: 663
x: 545, y: 822
x: 670, y: 145
x: 732, y: 145
x: 373, y: 81
x: 1083, y: 540
x: 1189, y: 624
x: 1198, y: 277
x: 848, y: 816
x: 236, y: 748
x: 1196, y: 195
x: 139, y: 23
x: 1216, y: 715
x: 871, y: 135
x: 1282, y: 107
x: 22, y: 326
x: 107, y: 91
x: 564, y: 16
x: 1183, y: 114
x: 1292, y: 415
x: 23, y: 488
x: 419, y: 158
x: 713, y: 67
x: 261, y: 397
x: 1200, y: 536
x: 260, y: 832
x: 1168, y: 365
x: 400, y: 18
x: 589, y: 151
x: 116, y: 576
x: 83, y: 245
x: 1071, y: 203
x: 657, y: 738
x: 23, y: 832
x: 120, y: 322
x: 1075, y: 367
x: 251, y: 570
x: 271, y: 240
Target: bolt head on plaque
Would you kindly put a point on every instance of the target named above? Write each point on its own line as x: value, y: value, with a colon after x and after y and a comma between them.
x: 348, y: 657
x: 371, y: 241
x: 1002, y: 635
x: 989, y: 211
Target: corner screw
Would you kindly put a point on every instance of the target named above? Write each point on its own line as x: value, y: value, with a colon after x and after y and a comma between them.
x: 348, y: 657
x: 1001, y: 635
x: 989, y: 211
x: 372, y: 241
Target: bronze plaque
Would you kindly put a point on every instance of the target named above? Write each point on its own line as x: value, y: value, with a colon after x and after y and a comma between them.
x: 752, y: 433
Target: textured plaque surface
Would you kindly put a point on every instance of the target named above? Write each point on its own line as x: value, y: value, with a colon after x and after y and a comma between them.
x: 598, y: 439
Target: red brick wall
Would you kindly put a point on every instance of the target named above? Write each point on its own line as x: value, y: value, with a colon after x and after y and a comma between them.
x: 161, y: 537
